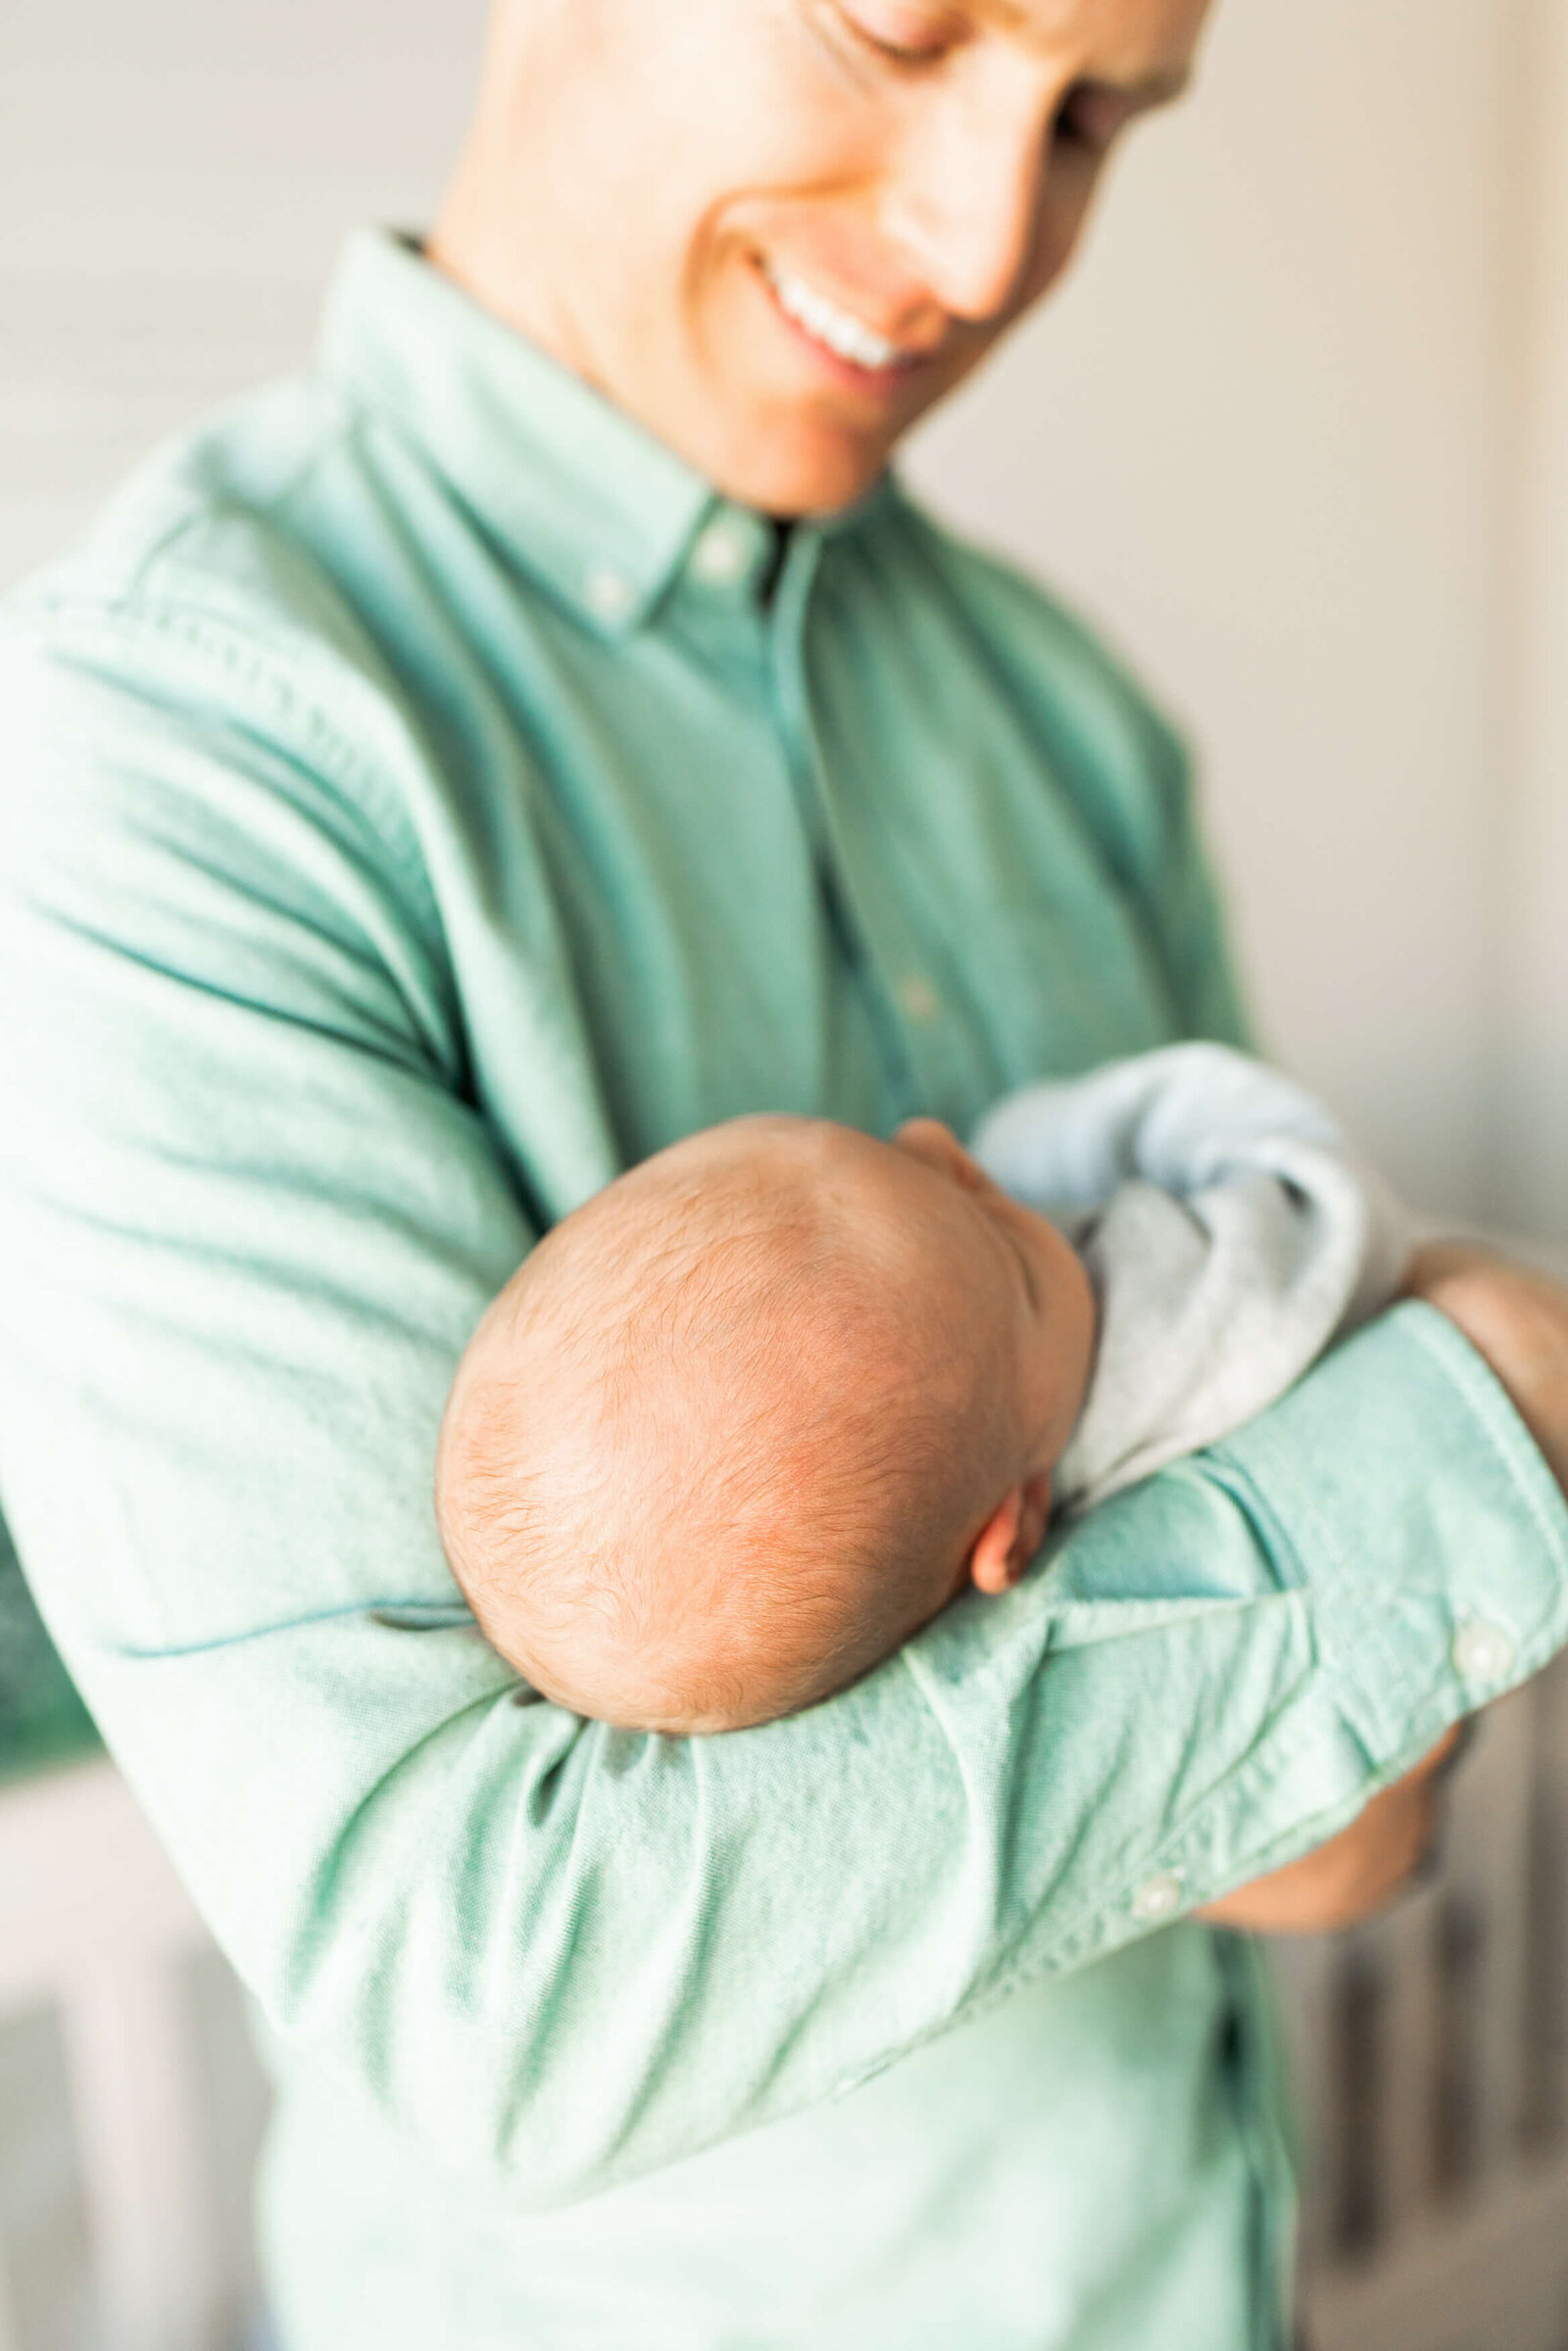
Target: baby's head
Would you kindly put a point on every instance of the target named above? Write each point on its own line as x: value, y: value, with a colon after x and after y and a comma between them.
x: 742, y: 1423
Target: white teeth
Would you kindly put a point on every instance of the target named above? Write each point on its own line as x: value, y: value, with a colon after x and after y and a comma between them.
x: 827, y: 323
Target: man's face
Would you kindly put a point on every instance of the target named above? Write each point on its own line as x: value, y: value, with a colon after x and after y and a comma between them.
x: 776, y: 231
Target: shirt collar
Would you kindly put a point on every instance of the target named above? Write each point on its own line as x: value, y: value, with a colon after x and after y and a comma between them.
x: 580, y: 495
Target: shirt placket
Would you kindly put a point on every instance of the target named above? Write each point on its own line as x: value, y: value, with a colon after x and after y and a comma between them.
x: 923, y: 1051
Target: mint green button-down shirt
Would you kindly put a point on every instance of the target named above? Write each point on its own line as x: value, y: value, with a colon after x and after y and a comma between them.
x: 416, y: 808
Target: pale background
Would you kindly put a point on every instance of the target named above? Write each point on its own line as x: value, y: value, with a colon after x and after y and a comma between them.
x: 1298, y: 435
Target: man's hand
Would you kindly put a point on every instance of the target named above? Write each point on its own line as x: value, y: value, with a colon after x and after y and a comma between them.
x: 1515, y: 1318
x: 1353, y: 1875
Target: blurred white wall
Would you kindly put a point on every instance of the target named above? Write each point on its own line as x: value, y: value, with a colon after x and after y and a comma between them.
x: 175, y: 179
x: 1276, y: 436
x: 1261, y: 436
x: 1531, y: 1100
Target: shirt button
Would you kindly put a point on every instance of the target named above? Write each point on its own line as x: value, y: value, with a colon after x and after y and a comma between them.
x: 1482, y: 1653
x: 610, y: 591
x: 722, y: 552
x: 917, y: 997
x: 1160, y: 1898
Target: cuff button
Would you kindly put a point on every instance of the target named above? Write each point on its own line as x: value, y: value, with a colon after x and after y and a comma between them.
x: 1160, y: 1898
x: 1482, y: 1653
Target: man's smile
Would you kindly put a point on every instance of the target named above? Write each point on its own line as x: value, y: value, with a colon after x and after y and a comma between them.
x: 836, y: 330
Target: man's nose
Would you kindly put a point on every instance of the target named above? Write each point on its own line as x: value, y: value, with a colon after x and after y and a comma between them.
x: 964, y: 208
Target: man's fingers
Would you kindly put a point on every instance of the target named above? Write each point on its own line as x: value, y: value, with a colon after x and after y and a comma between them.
x: 1517, y: 1320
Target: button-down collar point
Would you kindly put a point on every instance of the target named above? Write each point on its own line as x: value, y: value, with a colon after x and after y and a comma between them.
x: 549, y: 465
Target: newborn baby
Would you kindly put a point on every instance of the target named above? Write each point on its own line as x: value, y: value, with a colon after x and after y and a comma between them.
x: 756, y: 1412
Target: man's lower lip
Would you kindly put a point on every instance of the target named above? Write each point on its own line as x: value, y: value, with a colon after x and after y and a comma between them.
x: 848, y: 371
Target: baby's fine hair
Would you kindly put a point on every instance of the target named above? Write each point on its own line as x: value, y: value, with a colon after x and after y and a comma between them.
x: 707, y: 1445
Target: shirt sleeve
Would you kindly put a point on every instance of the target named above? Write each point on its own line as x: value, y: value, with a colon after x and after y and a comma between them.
x: 247, y: 1220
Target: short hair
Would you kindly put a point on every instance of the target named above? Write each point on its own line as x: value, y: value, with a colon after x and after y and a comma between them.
x: 708, y: 1454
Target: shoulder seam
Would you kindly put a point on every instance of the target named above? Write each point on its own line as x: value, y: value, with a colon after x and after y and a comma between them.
x: 264, y: 671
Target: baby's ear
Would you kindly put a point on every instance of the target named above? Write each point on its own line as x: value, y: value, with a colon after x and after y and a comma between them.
x: 994, y: 1556
x: 1010, y: 1536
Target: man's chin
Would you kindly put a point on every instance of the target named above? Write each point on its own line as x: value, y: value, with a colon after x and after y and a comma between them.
x: 792, y: 471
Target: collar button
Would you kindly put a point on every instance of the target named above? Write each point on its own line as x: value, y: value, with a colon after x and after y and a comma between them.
x: 610, y: 591
x: 722, y: 552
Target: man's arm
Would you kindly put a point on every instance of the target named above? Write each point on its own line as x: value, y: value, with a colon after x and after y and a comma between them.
x: 1139, y: 799
x: 247, y: 1223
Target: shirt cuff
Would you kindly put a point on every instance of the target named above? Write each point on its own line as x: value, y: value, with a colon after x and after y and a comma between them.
x: 1423, y: 1613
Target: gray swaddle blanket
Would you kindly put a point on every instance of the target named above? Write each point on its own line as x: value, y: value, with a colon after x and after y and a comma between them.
x: 1229, y: 1228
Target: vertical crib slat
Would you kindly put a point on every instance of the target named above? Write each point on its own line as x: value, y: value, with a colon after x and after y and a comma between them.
x: 1401, y: 1950
x: 137, y: 2131
x: 1305, y: 1969
x: 1490, y: 1871
x: 1544, y: 2054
